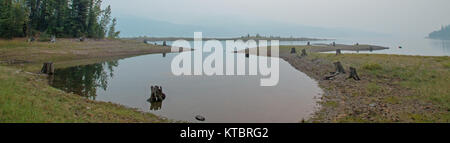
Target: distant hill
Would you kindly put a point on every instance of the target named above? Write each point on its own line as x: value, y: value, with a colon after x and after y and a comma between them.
x: 444, y: 33
x: 135, y: 26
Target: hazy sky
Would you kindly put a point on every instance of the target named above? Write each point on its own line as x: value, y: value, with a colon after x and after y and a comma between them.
x: 398, y: 17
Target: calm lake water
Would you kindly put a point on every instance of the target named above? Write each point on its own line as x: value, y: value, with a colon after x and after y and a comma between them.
x: 227, y: 99
x: 412, y: 45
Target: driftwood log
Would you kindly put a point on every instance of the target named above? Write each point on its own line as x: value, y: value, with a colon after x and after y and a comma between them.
x: 293, y: 51
x: 304, y: 53
x: 339, y: 70
x: 338, y: 51
x: 354, y: 74
x: 157, y: 94
x: 48, y: 68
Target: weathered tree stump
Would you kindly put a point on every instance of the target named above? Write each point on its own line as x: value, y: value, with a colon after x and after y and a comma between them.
x: 155, y: 106
x: 48, y: 68
x: 304, y: 53
x: 339, y: 67
x: 53, y: 39
x: 334, y: 44
x: 371, y: 49
x: 293, y: 51
x: 339, y: 70
x: 164, y: 43
x: 308, y: 44
x: 145, y: 41
x: 82, y: 39
x: 157, y: 94
x: 338, y: 51
x: 354, y: 74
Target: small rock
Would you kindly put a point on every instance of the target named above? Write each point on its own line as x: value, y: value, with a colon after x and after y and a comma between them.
x: 200, y: 118
x: 372, y: 105
x: 88, y: 108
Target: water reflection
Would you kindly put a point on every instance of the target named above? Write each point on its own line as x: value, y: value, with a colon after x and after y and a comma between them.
x: 84, y: 80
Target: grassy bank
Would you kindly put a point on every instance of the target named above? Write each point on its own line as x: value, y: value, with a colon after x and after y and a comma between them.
x: 70, y: 52
x: 393, y: 88
x: 27, y: 97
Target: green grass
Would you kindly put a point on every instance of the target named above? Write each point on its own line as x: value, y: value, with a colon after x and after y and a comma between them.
x: 28, y: 98
x: 408, y: 81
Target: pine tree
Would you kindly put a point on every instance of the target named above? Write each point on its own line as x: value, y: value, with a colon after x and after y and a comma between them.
x: 112, y: 33
x: 61, y: 18
x: 104, y: 22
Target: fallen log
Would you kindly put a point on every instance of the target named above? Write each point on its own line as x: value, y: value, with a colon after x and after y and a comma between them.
x: 354, y: 74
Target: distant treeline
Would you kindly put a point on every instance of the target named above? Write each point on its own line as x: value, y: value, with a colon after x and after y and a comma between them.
x: 60, y: 18
x: 444, y: 33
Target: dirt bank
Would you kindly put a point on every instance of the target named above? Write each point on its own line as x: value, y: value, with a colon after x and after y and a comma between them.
x: 393, y: 88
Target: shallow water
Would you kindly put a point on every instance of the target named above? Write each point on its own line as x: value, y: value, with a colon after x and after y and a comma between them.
x: 410, y: 45
x: 230, y: 99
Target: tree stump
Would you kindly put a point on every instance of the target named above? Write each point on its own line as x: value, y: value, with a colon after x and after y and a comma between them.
x: 304, y: 53
x: 164, y: 43
x: 308, y: 44
x: 338, y: 51
x: 339, y: 70
x: 334, y: 44
x: 354, y: 74
x: 53, y: 39
x: 293, y: 51
x: 32, y: 39
x: 82, y: 39
x: 48, y: 68
x: 157, y: 94
x: 371, y: 49
x: 164, y: 55
x: 339, y: 67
